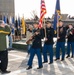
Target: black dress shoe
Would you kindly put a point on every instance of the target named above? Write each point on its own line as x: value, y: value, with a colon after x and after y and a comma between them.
x: 68, y: 56
x: 50, y: 62
x: 4, y: 72
x: 45, y: 61
x: 57, y: 59
x: 10, y: 49
x: 62, y: 59
x: 40, y: 67
x: 29, y: 68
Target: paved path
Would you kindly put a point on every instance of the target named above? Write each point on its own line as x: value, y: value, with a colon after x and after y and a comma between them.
x: 18, y: 64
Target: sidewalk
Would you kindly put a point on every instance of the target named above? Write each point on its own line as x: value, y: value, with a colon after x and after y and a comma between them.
x: 18, y: 64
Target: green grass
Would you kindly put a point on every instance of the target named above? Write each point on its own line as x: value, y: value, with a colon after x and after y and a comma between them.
x: 20, y: 47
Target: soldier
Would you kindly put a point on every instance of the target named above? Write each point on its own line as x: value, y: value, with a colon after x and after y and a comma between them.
x: 35, y: 48
x: 48, y: 46
x: 61, y: 33
x: 70, y: 41
x: 4, y: 30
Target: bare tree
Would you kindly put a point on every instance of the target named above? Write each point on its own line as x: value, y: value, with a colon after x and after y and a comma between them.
x: 34, y: 15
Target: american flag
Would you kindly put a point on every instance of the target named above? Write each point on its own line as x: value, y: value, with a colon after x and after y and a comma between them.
x: 42, y: 13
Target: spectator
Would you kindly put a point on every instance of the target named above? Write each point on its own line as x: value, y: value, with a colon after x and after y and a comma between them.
x: 4, y: 31
x: 28, y: 36
x: 13, y: 32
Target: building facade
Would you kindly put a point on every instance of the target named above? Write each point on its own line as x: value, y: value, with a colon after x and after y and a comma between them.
x: 7, y: 8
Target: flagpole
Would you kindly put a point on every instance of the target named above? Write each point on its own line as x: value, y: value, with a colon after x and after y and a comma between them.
x: 45, y: 28
x: 57, y: 27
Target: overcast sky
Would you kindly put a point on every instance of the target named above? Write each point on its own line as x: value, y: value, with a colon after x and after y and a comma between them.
x: 27, y: 6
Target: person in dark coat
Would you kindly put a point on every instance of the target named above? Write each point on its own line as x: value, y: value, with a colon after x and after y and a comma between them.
x: 70, y: 40
x: 61, y: 34
x: 48, y: 46
x: 36, y: 47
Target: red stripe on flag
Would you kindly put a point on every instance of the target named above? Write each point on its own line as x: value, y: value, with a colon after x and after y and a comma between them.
x: 42, y: 13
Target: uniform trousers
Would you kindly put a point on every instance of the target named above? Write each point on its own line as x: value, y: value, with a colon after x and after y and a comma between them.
x: 34, y: 51
x: 49, y: 49
x: 60, y: 46
x: 70, y: 45
x: 4, y: 60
